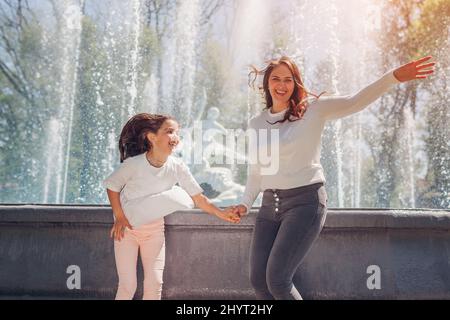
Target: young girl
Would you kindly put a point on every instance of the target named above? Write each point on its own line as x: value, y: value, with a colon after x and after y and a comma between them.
x: 141, y: 191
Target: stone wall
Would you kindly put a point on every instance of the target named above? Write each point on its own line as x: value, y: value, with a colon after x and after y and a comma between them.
x: 208, y: 259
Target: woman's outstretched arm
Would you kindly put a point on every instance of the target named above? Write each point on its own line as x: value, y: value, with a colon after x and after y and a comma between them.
x: 341, y: 106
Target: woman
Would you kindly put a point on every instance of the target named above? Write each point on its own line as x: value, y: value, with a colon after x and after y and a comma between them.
x: 294, y: 202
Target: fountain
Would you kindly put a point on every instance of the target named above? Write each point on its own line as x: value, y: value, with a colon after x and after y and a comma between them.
x: 130, y: 63
x: 69, y: 45
x: 215, y: 146
x: 95, y: 63
x: 134, y: 57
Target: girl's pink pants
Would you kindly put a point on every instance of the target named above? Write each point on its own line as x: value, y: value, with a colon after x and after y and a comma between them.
x: 149, y: 240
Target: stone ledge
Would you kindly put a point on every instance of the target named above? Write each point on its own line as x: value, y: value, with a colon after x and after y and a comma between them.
x: 207, y: 258
x: 336, y: 218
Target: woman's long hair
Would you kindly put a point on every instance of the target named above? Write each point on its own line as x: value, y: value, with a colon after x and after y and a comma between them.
x: 133, y: 138
x: 298, y: 102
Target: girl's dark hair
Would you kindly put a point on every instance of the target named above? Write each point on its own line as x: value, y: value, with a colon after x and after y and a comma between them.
x: 133, y: 138
x: 298, y: 101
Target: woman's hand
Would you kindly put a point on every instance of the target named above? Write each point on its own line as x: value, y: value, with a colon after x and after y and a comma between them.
x: 229, y: 215
x: 118, y: 229
x: 415, y: 70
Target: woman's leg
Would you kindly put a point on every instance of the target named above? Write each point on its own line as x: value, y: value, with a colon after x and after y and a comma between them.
x: 299, y: 228
x: 263, y: 238
x: 152, y: 250
x: 126, y: 253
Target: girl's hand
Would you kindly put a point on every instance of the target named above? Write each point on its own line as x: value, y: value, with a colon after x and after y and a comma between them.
x: 229, y: 215
x: 415, y: 70
x: 118, y: 229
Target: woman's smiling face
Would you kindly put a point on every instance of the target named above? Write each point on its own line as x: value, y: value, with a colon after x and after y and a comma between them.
x: 281, y: 84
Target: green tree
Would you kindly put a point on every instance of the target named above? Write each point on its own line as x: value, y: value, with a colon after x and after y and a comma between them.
x: 395, y: 47
x: 23, y: 102
x: 429, y: 34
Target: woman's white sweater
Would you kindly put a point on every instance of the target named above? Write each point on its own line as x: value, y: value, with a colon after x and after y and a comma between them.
x: 294, y: 158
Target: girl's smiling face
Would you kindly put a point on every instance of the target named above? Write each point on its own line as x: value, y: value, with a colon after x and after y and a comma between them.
x: 166, y: 139
x: 281, y: 85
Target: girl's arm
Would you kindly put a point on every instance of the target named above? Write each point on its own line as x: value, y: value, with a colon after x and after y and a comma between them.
x: 120, y: 221
x: 202, y: 202
x: 190, y: 185
x: 114, y: 184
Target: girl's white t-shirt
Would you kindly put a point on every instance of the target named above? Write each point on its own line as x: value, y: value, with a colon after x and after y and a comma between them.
x: 140, y: 185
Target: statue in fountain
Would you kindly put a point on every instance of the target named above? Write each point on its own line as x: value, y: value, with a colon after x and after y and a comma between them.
x: 215, y: 177
x: 211, y: 127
